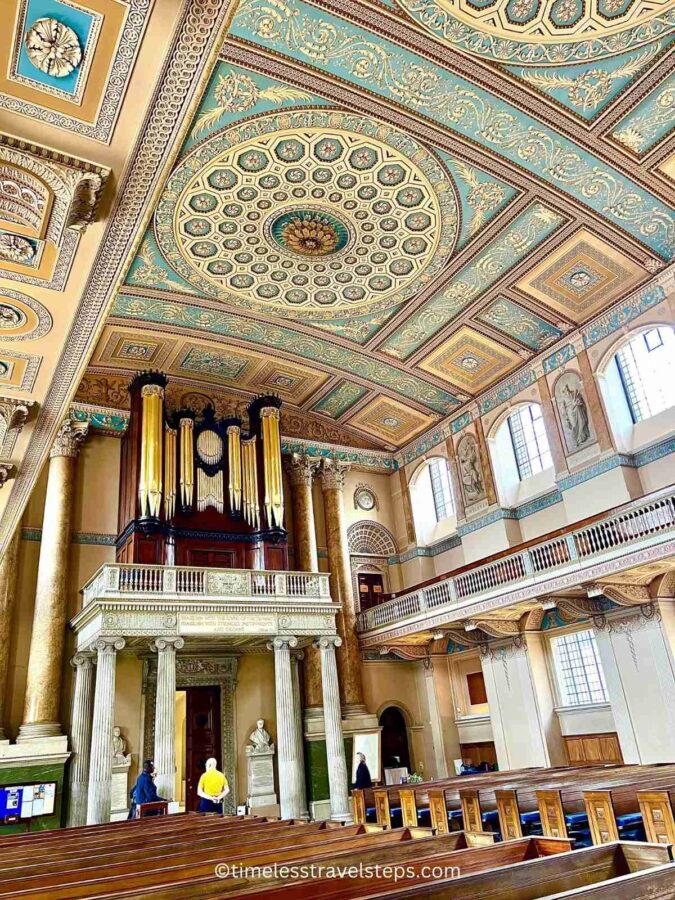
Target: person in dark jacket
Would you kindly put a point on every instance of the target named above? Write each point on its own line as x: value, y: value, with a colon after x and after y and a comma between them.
x: 363, y: 779
x: 144, y: 791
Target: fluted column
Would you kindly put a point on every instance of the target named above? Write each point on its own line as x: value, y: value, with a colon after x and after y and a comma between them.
x: 338, y: 783
x: 100, y: 760
x: 297, y: 709
x: 165, y: 715
x: 288, y: 746
x: 45, y: 661
x: 349, y: 657
x: 8, y: 569
x: 80, y: 737
x: 301, y: 469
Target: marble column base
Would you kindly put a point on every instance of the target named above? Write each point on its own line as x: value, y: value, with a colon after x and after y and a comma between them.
x: 32, y: 731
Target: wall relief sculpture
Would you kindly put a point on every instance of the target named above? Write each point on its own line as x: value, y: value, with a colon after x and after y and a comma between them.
x: 470, y: 470
x: 573, y: 412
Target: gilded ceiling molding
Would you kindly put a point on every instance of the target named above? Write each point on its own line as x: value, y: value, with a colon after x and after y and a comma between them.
x: 22, y: 318
x: 46, y: 200
x: 382, y: 66
x: 13, y: 416
x: 195, y: 48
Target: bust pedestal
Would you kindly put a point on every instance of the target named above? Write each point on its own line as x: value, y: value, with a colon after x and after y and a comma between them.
x: 119, y: 789
x: 261, y: 796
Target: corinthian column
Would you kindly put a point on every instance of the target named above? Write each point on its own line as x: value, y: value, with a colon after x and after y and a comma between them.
x: 301, y: 469
x: 80, y: 737
x: 8, y: 569
x: 100, y: 762
x: 349, y: 658
x: 338, y: 784
x: 288, y: 746
x: 45, y: 662
x: 165, y: 715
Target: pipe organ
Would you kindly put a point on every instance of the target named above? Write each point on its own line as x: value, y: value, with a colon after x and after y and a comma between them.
x: 192, y: 484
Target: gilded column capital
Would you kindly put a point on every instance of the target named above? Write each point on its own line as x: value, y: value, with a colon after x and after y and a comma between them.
x: 163, y: 643
x: 332, y: 475
x: 69, y: 439
x: 149, y: 390
x: 300, y: 469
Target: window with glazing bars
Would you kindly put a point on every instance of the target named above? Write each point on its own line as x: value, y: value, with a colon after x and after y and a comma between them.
x: 647, y: 369
x: 530, y: 444
x: 578, y: 668
x: 440, y: 488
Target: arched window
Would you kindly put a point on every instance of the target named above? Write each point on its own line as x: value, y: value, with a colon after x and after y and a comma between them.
x: 441, y: 491
x: 530, y: 444
x: 646, y: 366
x: 432, y: 500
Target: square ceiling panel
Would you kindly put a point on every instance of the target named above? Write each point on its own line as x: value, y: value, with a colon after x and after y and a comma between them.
x: 391, y: 421
x: 132, y: 349
x: 470, y: 360
x: 581, y: 278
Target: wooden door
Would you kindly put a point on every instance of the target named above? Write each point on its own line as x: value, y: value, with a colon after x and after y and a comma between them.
x: 212, y: 559
x: 202, y: 722
x: 371, y: 588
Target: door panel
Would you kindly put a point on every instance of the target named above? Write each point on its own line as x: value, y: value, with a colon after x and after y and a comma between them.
x: 202, y: 722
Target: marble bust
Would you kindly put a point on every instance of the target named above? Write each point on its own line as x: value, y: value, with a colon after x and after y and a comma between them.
x: 260, y: 739
x: 119, y: 747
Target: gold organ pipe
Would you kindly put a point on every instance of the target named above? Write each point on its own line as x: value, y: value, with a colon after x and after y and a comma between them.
x: 169, y: 472
x: 187, y: 462
x: 150, y: 481
x: 234, y: 466
x: 274, y: 499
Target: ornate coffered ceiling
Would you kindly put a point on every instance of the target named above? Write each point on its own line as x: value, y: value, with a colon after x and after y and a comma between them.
x: 378, y: 210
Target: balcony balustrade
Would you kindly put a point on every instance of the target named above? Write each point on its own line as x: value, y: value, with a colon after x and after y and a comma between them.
x: 149, y: 582
x: 643, y: 523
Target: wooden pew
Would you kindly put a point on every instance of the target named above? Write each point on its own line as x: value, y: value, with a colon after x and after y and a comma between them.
x: 624, y: 871
x: 74, y: 878
x: 619, y: 807
x: 191, y: 884
x: 559, y: 806
x: 657, y: 814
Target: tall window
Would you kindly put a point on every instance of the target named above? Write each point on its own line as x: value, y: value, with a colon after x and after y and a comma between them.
x: 578, y: 667
x: 530, y: 444
x: 647, y: 369
x: 440, y: 489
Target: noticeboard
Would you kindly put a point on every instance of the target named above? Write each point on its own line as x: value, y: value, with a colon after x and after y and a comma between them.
x: 25, y: 801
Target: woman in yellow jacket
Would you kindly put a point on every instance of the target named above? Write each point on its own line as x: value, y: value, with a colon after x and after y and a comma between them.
x: 212, y: 788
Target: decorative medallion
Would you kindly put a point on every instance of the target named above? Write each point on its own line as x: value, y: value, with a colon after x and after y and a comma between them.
x: 15, y: 248
x: 364, y: 498
x: 21, y: 317
x: 53, y: 47
x: 312, y: 214
x: 537, y: 32
x: 470, y: 360
x: 310, y: 233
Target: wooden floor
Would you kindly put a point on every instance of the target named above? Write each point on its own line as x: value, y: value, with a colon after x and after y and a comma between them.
x: 191, y: 856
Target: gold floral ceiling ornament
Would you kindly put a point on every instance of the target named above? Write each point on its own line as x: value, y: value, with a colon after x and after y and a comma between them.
x: 53, y: 47
x: 16, y: 248
x: 310, y: 233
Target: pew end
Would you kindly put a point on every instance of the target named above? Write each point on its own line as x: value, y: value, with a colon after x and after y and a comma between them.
x: 657, y: 815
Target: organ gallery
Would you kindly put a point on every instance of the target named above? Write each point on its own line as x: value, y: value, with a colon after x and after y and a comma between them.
x: 337, y: 449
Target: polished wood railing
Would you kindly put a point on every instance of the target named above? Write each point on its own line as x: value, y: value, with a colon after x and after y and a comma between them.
x: 650, y: 520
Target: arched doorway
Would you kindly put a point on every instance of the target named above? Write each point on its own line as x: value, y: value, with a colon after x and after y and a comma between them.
x: 394, y: 739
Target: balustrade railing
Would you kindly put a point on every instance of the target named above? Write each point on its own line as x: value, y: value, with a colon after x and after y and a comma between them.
x: 143, y: 581
x: 634, y: 524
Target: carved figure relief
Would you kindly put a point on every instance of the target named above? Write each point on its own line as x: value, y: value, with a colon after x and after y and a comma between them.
x: 470, y: 470
x: 573, y: 412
